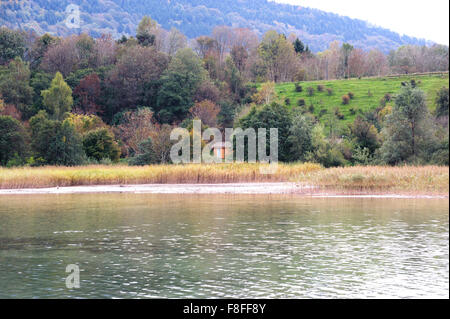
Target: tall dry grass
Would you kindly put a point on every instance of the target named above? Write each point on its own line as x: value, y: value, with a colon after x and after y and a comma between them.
x: 412, y: 179
x: 14, y: 178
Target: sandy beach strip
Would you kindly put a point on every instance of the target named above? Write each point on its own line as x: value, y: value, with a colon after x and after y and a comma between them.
x: 241, y: 188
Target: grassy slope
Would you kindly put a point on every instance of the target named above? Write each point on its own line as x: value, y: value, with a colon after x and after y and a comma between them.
x: 377, y: 86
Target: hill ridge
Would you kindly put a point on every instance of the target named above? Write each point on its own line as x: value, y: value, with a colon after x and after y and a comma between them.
x: 198, y: 17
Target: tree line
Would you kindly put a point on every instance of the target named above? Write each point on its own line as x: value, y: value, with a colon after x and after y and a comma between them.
x: 77, y: 100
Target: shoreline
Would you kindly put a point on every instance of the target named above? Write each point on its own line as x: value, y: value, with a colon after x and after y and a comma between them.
x: 221, y: 189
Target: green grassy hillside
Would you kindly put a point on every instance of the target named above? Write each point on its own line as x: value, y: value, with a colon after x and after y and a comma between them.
x: 367, y: 93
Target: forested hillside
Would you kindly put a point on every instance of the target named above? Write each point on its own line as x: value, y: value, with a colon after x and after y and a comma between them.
x: 79, y: 99
x: 198, y: 17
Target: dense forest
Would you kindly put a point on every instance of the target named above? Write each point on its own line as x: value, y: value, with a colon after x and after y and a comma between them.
x: 198, y: 17
x: 78, y: 100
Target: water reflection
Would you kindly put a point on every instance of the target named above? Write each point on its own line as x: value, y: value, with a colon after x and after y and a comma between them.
x: 144, y: 246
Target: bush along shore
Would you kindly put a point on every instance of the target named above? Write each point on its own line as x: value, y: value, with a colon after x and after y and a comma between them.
x: 412, y: 180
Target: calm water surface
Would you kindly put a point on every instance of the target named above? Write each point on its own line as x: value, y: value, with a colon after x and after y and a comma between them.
x: 166, y: 246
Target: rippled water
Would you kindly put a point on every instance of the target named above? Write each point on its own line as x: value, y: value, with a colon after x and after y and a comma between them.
x: 144, y: 246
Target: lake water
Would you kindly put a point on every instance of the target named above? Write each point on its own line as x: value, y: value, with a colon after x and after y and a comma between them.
x: 168, y: 246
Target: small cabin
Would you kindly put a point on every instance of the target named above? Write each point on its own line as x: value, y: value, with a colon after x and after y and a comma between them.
x: 221, y: 148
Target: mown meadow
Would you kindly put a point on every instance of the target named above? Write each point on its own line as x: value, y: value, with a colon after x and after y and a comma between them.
x: 368, y: 92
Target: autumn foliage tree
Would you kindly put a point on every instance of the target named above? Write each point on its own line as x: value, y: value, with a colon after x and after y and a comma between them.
x: 278, y: 56
x: 366, y: 134
x: 146, y: 31
x: 136, y: 126
x: 127, y: 81
x: 206, y: 111
x: 132, y: 92
x: 61, y: 57
x: 88, y: 93
x: 161, y: 142
x: 266, y: 94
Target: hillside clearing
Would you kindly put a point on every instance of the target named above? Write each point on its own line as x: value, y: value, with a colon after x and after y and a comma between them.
x: 367, y: 93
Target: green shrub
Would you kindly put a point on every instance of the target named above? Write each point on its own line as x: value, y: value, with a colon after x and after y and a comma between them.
x: 338, y: 114
x: 15, y: 161
x: 146, y: 154
x: 442, y: 104
x: 361, y: 156
x: 345, y: 99
x: 301, y: 102
x: 55, y: 142
x: 13, y: 144
x: 100, y: 144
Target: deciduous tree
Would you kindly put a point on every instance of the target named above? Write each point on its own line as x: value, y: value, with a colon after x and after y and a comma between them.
x: 266, y: 94
x: 175, y: 41
x: 271, y: 116
x: 145, y: 154
x: 88, y: 93
x: 206, y: 111
x: 58, y: 99
x: 61, y: 57
x: 442, y: 102
x: 300, y: 138
x: 55, y: 142
x: 12, y: 44
x: 13, y: 140
x: 100, y: 144
x: 15, y: 88
x: 366, y: 134
x: 407, y: 131
x: 136, y: 126
x: 146, y: 32
x: 127, y: 81
x: 278, y: 56
x: 179, y: 83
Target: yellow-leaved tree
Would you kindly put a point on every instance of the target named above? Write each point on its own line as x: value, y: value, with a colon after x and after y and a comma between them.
x: 58, y: 98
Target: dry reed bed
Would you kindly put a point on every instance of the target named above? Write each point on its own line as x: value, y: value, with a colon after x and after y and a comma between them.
x: 156, y: 174
x: 409, y: 179
x: 413, y: 179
